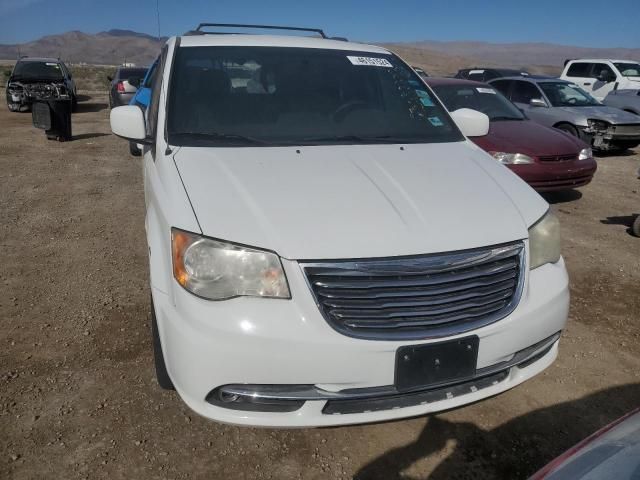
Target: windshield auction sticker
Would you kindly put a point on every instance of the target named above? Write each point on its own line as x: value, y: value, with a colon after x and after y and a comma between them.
x: 424, y: 98
x: 370, y: 61
x: 486, y: 90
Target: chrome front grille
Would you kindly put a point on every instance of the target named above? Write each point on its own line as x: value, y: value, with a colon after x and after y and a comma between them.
x: 418, y: 297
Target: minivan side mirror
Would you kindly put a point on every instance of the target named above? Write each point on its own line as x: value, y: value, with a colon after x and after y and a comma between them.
x: 471, y: 122
x: 110, y: 78
x: 128, y: 122
x: 537, y: 102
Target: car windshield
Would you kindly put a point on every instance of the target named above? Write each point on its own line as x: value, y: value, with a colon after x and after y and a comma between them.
x: 628, y: 69
x: 235, y: 96
x: 562, y: 94
x: 38, y: 70
x: 481, y: 98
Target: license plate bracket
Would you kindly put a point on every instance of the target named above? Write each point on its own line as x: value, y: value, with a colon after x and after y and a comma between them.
x: 430, y: 365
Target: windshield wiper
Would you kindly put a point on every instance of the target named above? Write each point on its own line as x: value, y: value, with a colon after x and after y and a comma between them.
x: 213, y: 136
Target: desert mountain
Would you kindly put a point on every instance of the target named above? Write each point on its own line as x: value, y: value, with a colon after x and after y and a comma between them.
x: 438, y: 58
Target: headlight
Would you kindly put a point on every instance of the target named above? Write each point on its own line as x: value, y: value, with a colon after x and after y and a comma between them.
x: 585, y: 154
x: 512, y: 158
x: 218, y: 270
x: 544, y: 241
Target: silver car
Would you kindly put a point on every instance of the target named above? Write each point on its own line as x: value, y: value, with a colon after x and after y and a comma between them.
x: 563, y: 105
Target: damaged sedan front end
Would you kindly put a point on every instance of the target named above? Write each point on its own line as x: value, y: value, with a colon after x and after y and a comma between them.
x: 565, y: 106
x: 34, y: 78
x: 21, y: 95
x: 605, y: 135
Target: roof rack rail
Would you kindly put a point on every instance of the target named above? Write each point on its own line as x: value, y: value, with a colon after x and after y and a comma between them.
x: 199, y: 30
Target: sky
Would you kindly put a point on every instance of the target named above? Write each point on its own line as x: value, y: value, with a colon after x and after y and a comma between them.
x: 583, y: 23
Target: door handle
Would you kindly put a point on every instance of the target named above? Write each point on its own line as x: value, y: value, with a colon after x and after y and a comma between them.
x: 586, y: 84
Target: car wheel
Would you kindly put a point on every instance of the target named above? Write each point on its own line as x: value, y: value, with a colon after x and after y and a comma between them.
x: 158, y: 357
x: 635, y: 228
x: 134, y: 150
x: 570, y: 129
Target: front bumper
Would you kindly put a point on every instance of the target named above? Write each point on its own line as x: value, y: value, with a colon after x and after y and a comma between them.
x: 556, y: 176
x: 605, y: 139
x: 208, y: 345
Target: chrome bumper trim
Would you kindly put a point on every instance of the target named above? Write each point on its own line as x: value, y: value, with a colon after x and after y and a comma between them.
x: 300, y: 393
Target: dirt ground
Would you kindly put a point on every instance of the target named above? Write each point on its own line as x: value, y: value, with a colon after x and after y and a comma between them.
x: 78, y: 396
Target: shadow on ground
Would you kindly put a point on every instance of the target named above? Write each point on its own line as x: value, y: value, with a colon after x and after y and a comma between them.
x: 563, y: 196
x: 85, y: 136
x: 514, y: 450
x: 624, y: 220
x: 90, y: 107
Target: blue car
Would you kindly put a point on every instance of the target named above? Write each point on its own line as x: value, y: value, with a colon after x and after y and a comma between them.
x: 143, y: 95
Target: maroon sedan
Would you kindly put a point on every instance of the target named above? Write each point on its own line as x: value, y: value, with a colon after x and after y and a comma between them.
x: 545, y: 158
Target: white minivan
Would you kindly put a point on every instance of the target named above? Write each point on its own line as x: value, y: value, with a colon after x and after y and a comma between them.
x: 599, y: 77
x: 326, y: 246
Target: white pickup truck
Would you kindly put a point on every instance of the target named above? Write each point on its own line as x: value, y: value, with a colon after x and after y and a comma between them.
x: 599, y: 77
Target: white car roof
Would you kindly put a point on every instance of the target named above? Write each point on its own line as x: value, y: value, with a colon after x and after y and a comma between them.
x: 600, y: 60
x: 241, y: 40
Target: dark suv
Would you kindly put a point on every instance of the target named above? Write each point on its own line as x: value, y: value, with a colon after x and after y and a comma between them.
x: 32, y: 77
x: 480, y: 74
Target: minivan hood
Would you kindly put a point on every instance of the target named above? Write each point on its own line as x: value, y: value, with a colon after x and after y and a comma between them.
x: 602, y: 112
x: 330, y: 202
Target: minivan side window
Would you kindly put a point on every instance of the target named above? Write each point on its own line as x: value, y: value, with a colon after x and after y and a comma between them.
x: 523, y: 92
x: 154, y: 104
x: 579, y: 69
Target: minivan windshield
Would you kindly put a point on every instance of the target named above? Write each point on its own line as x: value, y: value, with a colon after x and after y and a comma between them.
x: 562, y: 94
x: 484, y: 99
x: 628, y: 69
x: 38, y: 70
x: 245, y: 96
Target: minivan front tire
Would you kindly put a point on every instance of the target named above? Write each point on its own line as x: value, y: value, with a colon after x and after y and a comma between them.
x: 134, y: 150
x: 158, y: 357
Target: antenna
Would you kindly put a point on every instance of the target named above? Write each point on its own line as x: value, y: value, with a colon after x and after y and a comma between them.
x: 158, y: 17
